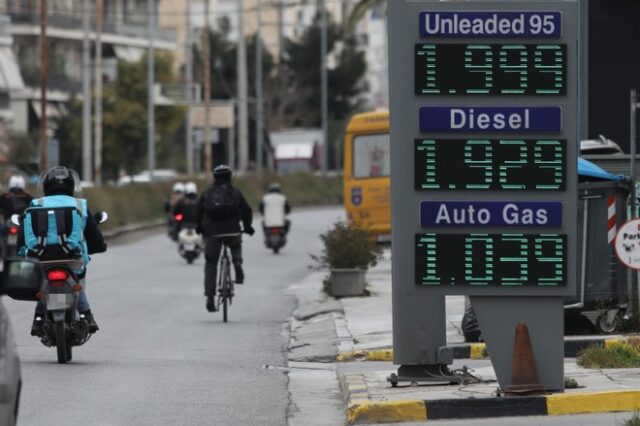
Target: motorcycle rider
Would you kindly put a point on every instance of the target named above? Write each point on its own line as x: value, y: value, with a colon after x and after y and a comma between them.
x: 59, y: 185
x: 220, y: 210
x: 170, y: 203
x: 187, y: 205
x: 16, y: 200
x: 274, y: 207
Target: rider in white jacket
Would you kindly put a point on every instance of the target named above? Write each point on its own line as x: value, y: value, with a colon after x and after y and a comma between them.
x: 274, y: 208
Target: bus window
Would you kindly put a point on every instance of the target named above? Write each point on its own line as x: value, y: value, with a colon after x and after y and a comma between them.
x: 371, y: 156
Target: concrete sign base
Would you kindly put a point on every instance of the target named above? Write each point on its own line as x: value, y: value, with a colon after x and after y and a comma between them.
x: 543, y: 316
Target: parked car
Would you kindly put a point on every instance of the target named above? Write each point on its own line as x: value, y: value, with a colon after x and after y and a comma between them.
x: 10, y: 376
x: 600, y: 146
x: 159, y: 175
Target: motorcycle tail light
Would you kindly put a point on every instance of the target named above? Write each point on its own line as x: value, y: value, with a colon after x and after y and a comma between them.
x: 179, y: 217
x: 275, y: 231
x: 57, y: 275
x: 13, y: 230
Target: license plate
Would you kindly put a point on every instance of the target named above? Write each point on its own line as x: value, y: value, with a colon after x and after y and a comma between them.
x: 58, y: 301
x: 12, y: 239
x: 189, y: 247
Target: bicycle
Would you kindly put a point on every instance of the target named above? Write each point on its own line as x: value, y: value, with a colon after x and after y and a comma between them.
x: 225, y: 283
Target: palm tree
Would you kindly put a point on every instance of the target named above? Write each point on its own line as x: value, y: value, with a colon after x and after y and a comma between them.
x: 360, y: 10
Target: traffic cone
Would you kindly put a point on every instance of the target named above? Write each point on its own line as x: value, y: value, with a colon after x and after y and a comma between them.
x: 524, y: 375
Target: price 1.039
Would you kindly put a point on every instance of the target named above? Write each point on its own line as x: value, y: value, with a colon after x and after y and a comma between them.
x: 507, y: 260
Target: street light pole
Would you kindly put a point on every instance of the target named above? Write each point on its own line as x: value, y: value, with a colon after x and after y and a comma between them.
x: 43, y: 86
x: 208, y: 161
x: 189, y: 88
x: 259, y: 106
x: 324, y: 89
x: 86, y: 96
x: 243, y: 115
x: 98, y: 120
x: 151, y: 143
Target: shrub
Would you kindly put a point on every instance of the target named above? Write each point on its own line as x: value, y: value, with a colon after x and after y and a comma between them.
x: 621, y: 355
x: 347, y: 246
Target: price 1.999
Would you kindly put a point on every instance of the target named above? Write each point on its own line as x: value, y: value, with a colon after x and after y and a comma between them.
x: 490, y: 164
x: 490, y: 69
x: 506, y: 260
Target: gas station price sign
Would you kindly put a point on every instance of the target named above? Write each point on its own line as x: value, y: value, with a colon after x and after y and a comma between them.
x: 530, y: 69
x: 490, y: 164
x: 483, y: 260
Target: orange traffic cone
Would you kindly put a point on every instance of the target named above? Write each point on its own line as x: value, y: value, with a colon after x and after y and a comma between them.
x: 524, y: 375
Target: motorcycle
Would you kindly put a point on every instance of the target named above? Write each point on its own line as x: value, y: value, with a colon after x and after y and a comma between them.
x: 275, y: 238
x: 189, y: 242
x: 10, y: 246
x: 63, y: 326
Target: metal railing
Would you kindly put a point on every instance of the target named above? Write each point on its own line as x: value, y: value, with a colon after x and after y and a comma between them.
x: 73, y: 22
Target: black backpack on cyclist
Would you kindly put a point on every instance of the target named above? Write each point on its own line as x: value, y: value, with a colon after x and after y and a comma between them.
x: 219, y: 203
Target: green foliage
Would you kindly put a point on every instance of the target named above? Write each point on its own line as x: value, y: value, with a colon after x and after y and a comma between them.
x: 623, y: 355
x: 139, y: 203
x: 633, y: 421
x: 125, y: 123
x: 22, y: 149
x: 570, y: 383
x: 347, y: 246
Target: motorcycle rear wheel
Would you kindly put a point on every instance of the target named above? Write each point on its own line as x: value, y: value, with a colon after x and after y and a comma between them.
x: 61, y: 343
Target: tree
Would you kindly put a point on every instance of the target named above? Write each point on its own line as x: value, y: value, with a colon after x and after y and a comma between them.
x: 125, y: 123
x: 360, y: 10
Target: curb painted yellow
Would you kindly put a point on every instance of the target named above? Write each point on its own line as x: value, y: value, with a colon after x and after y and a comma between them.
x: 380, y: 355
x: 387, y: 412
x: 477, y: 350
x: 593, y: 402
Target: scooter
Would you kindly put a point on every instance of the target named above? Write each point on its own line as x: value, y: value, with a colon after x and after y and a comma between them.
x: 63, y: 326
x: 274, y: 238
x: 10, y: 246
x: 189, y: 242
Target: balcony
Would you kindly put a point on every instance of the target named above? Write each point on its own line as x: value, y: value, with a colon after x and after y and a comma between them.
x: 70, y: 22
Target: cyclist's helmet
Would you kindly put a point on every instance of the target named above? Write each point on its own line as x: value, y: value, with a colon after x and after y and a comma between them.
x: 59, y: 181
x: 190, y: 188
x: 17, y: 182
x: 275, y: 187
x: 222, y: 173
x: 178, y: 187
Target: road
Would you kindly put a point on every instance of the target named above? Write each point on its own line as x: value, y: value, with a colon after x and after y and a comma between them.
x: 159, y: 357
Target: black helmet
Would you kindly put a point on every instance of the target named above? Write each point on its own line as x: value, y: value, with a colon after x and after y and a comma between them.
x: 59, y: 181
x: 222, y: 173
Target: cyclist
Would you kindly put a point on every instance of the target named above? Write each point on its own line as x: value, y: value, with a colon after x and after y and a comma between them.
x: 220, y: 210
x: 59, y: 185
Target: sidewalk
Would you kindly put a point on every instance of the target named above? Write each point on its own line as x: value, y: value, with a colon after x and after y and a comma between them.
x: 362, y: 331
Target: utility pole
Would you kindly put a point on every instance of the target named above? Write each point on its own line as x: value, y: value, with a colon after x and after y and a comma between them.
x: 259, y: 106
x: 280, y: 44
x: 98, y: 120
x: 243, y: 115
x: 324, y: 89
x: 151, y: 139
x: 208, y: 161
x: 86, y: 96
x: 43, y: 86
x: 189, y: 87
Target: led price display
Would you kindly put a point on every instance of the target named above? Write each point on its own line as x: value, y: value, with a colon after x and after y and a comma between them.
x: 490, y: 69
x: 490, y: 164
x: 506, y: 260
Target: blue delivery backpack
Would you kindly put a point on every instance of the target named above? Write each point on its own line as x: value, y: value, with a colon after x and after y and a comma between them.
x: 53, y: 228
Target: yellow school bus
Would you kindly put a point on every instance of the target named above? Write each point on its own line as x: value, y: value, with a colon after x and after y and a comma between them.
x: 367, y: 185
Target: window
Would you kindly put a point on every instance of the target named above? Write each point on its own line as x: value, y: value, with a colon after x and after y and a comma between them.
x: 371, y: 156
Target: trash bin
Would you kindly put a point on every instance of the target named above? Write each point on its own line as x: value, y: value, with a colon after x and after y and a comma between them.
x: 602, y: 279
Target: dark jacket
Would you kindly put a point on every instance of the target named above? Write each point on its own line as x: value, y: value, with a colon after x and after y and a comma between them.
x: 187, y: 207
x: 14, y: 202
x: 242, y: 213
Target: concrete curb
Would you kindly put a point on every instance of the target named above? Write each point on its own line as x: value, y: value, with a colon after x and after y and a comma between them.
x: 362, y: 410
x: 114, y: 233
x: 478, y: 350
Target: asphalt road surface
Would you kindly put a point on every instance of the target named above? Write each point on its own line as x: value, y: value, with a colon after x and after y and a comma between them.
x: 159, y: 357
